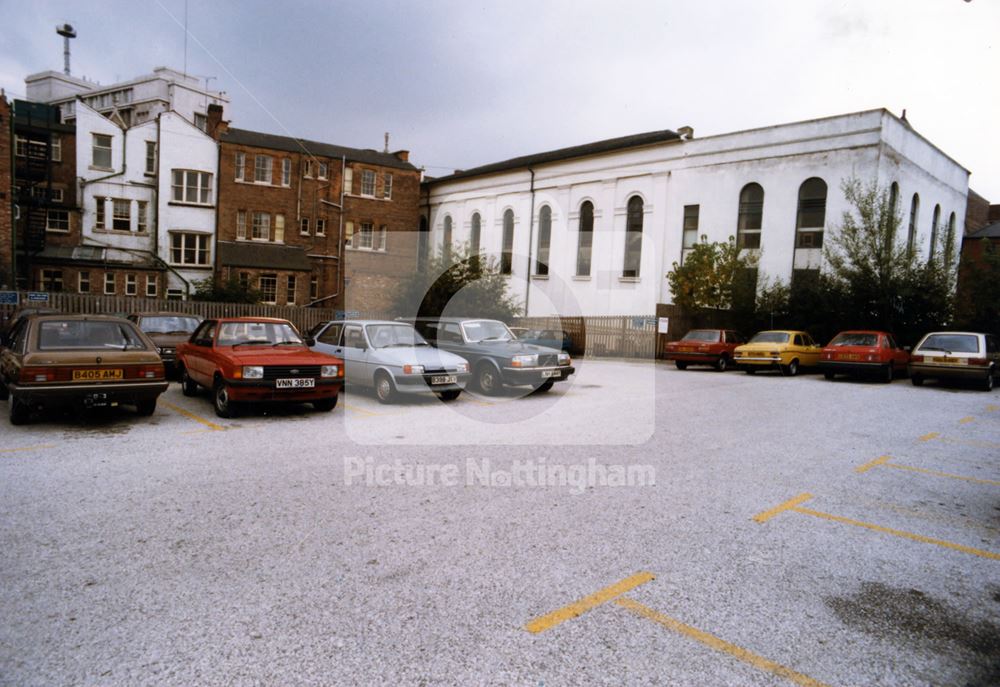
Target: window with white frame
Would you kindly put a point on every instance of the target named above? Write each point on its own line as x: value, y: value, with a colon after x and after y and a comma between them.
x: 304, y: 226
x: 368, y: 238
x: 121, y: 214
x: 290, y: 290
x: 52, y: 280
x: 241, y: 225
x: 56, y: 194
x: 307, y: 169
x: 241, y: 166
x: 348, y: 180
x: 349, y: 234
x: 151, y: 286
x: 109, y: 283
x: 191, y: 186
x: 323, y: 170
x: 261, y: 229
x: 690, y: 236
x: 142, y: 216
x: 83, y: 282
x: 321, y: 227
x: 286, y: 172
x: 189, y: 249
x: 585, y: 240
x: 544, y: 241
x: 367, y: 182
x: 101, y: 151
x: 57, y: 220
x: 262, y: 169
x: 313, y: 288
x: 811, y: 215
x: 150, y: 157
x: 279, y: 228
x: 175, y: 295
x: 633, y: 238
x: 387, y: 186
x: 99, y: 212
x: 267, y: 284
x: 201, y: 121
x: 131, y: 285
x: 20, y: 146
x: 56, y: 151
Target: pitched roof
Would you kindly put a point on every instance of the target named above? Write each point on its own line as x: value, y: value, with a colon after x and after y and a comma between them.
x: 990, y: 231
x: 298, y: 145
x: 263, y: 255
x: 595, y: 148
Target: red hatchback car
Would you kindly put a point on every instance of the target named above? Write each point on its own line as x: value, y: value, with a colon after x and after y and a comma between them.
x: 712, y: 347
x: 257, y: 359
x: 864, y: 353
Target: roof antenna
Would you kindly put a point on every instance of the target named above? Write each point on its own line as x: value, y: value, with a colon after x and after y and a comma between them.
x: 67, y: 32
x: 386, y: 150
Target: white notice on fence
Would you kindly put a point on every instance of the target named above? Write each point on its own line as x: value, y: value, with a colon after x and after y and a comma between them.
x: 663, y: 325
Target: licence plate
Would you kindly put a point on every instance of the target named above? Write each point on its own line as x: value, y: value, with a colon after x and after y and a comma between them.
x: 848, y: 356
x: 96, y: 375
x: 294, y: 383
x: 953, y: 361
x: 551, y: 373
x: 444, y: 379
x: 686, y: 349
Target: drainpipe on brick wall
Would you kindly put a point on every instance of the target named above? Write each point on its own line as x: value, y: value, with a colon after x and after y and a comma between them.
x: 340, y: 238
x: 531, y: 240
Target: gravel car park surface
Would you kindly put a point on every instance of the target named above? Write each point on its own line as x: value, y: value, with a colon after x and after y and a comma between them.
x: 182, y: 549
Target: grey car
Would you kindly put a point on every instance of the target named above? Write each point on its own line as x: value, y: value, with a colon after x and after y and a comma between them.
x: 392, y: 358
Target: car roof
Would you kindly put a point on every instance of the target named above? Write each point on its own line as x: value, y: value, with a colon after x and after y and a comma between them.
x: 457, y: 320
x: 165, y: 313
x: 275, y: 320
x: 77, y: 317
x: 951, y: 333
x: 863, y: 331
x: 365, y: 323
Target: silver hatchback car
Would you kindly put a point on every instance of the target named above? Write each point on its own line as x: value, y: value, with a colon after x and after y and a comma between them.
x: 392, y: 358
x: 956, y: 355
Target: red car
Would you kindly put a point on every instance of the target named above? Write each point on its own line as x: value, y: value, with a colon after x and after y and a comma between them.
x: 864, y: 353
x: 712, y: 347
x: 257, y: 359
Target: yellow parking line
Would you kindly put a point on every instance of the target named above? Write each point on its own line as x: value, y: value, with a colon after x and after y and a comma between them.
x: 870, y: 464
x: 942, y: 474
x: 966, y: 420
x: 357, y: 409
x: 587, y: 603
x: 479, y: 402
x: 787, y: 505
x: 37, y: 447
x: 992, y: 408
x: 931, y: 436
x: 967, y: 442
x: 710, y: 640
x: 192, y: 416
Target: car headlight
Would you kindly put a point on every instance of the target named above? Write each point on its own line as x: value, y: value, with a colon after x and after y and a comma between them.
x: 413, y: 369
x: 253, y: 372
x: 160, y: 349
x: 564, y: 358
x: 329, y: 371
x: 524, y: 361
x: 462, y: 367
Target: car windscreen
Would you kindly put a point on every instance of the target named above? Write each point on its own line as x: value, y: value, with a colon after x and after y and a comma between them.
x: 855, y: 339
x: 168, y: 324
x: 394, y: 335
x: 951, y: 343
x: 77, y: 335
x: 256, y: 333
x: 701, y: 335
x: 770, y: 337
x: 486, y: 330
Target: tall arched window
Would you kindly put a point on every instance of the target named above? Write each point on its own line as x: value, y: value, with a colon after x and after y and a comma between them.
x: 911, y: 235
x: 633, y: 238
x: 507, y: 252
x: 949, y: 239
x: 446, y: 239
x: 811, y: 216
x: 586, y: 239
x: 751, y: 216
x: 893, y: 198
x: 475, y: 234
x: 544, y: 240
x: 935, y: 224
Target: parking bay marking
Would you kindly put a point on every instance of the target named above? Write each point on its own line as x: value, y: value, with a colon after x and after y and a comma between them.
x: 37, y: 447
x: 884, y: 461
x: 616, y: 594
x: 793, y: 505
x: 188, y: 414
x: 966, y: 420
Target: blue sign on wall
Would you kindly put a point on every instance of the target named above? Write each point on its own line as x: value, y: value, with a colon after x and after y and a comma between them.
x: 38, y: 297
x: 8, y: 298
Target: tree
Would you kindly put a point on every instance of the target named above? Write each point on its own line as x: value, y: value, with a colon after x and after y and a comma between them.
x: 979, y: 305
x: 711, y: 276
x: 229, y: 291
x: 456, y: 283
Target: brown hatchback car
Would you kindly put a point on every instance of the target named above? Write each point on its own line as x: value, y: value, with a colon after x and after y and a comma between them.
x: 88, y: 361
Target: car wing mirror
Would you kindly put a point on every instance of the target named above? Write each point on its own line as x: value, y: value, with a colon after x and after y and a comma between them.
x: 310, y: 341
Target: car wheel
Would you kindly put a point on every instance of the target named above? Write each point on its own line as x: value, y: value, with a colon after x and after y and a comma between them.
x: 722, y: 364
x: 988, y: 382
x: 750, y: 370
x: 488, y: 379
x: 546, y: 385
x: 828, y: 375
x: 450, y: 395
x: 680, y: 365
x: 887, y: 374
x: 224, y: 406
x: 189, y: 387
x: 325, y: 405
x: 916, y: 380
x: 385, y: 390
x: 792, y: 369
x: 3, y: 391
x: 147, y: 407
x: 20, y: 412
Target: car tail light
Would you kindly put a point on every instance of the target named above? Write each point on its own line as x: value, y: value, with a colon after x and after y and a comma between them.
x: 38, y: 374
x: 979, y: 361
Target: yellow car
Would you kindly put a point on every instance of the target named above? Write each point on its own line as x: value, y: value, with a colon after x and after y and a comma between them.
x: 786, y: 350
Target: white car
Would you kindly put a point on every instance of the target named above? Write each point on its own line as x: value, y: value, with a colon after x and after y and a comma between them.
x: 956, y: 355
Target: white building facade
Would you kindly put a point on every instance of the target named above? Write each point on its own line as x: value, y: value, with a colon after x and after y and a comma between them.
x: 594, y: 229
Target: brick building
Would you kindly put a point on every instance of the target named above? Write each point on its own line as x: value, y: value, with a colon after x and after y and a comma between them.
x: 306, y: 223
x: 6, y: 208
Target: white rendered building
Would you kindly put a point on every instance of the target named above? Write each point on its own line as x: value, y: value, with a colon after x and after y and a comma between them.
x: 594, y: 229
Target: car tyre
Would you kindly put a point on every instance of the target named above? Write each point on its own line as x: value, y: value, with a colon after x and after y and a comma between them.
x: 189, y: 387
x: 146, y: 407
x: 224, y: 406
x: 792, y: 368
x: 546, y: 385
x: 750, y: 370
x: 916, y: 380
x: 722, y: 364
x: 385, y: 390
x: 325, y: 405
x: 450, y: 395
x: 680, y: 364
x: 488, y: 380
x: 988, y: 382
x: 887, y: 374
x: 828, y: 375
x: 4, y: 393
x: 20, y: 412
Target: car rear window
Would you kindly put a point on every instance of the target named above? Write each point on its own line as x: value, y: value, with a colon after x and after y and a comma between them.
x: 168, y: 324
x: 770, y: 337
x: 952, y: 343
x: 701, y: 335
x: 854, y: 339
x: 55, y: 335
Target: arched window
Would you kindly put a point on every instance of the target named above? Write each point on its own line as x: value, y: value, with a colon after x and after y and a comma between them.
x: 893, y: 198
x: 949, y: 240
x: 935, y: 224
x: 475, y: 234
x: 507, y: 252
x: 586, y: 239
x: 446, y: 239
x: 811, y: 215
x: 750, y: 217
x: 422, y: 242
x: 911, y: 236
x: 633, y: 238
x: 544, y: 240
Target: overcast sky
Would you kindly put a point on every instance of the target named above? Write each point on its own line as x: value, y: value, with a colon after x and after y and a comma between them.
x: 461, y: 84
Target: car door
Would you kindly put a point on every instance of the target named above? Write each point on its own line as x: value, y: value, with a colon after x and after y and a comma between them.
x: 11, y: 354
x: 897, y: 355
x: 353, y: 346
x: 198, y: 355
x: 328, y: 339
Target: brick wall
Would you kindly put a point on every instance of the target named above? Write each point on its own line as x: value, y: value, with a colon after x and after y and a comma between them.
x: 68, y: 275
x: 977, y: 212
x: 6, y: 228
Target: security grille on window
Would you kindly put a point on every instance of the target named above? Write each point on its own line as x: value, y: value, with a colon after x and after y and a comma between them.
x: 189, y: 249
x: 142, y: 219
x: 52, y: 280
x: 387, y: 186
x: 241, y: 166
x: 290, y: 290
x: 109, y: 284
x: 691, y: 225
x: 121, y: 216
x: 261, y: 230
x: 262, y: 169
x: 57, y: 220
x: 150, y: 157
x: 286, y: 172
x: 304, y: 226
x: 268, y: 287
x: 150, y: 286
x: 99, y: 213
x: 751, y: 214
x: 101, y: 150
x: 367, y: 182
x: 241, y: 225
x: 131, y: 287
x: 321, y: 227
x: 83, y: 282
x: 190, y: 186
